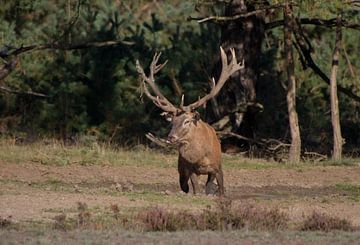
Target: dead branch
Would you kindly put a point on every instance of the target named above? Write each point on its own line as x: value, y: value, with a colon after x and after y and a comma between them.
x: 31, y: 93
x: 57, y: 46
x: 320, y: 157
x: 159, y: 141
x: 351, y: 69
x: 270, y: 147
x: 238, y: 136
x: 221, y: 19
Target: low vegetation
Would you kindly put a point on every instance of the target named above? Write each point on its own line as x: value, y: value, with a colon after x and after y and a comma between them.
x: 324, y: 222
x: 141, y: 207
x: 52, y: 152
x: 353, y: 191
x: 223, y: 217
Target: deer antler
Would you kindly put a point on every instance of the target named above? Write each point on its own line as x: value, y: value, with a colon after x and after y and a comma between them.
x: 227, y: 71
x: 159, y: 99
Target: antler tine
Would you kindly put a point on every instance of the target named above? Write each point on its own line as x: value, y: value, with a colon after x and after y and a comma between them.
x: 213, y: 82
x: 223, y: 56
x: 154, y: 67
x: 159, y: 99
x: 227, y: 70
x: 182, y: 102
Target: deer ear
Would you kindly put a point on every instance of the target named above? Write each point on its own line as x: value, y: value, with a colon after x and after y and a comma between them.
x: 168, y: 116
x: 196, y: 117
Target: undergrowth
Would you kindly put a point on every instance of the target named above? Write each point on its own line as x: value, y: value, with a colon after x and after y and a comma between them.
x: 324, y: 222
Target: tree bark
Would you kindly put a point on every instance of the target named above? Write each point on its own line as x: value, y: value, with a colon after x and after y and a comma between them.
x: 335, y: 120
x: 245, y: 35
x: 295, y: 148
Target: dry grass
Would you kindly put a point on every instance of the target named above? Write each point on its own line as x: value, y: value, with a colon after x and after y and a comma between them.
x: 56, y: 153
x: 4, y: 223
x: 324, y: 222
x: 224, y: 217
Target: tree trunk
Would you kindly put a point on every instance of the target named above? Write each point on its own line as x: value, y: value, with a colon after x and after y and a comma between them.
x: 295, y: 148
x: 236, y: 99
x: 338, y: 141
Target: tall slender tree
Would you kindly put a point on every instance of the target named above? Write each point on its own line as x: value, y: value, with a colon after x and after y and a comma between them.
x: 295, y: 148
x: 335, y: 120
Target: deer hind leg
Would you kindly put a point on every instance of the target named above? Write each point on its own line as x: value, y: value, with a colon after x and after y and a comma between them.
x: 220, y: 180
x: 210, y: 186
x: 194, y: 183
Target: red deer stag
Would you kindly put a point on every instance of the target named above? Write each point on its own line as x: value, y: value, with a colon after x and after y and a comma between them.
x: 199, y: 148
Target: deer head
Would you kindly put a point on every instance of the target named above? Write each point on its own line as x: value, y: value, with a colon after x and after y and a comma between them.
x: 184, y: 118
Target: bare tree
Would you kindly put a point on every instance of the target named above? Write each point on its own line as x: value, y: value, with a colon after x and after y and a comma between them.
x: 338, y: 141
x: 295, y: 148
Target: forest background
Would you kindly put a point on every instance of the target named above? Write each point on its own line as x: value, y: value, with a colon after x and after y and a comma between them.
x: 84, y: 87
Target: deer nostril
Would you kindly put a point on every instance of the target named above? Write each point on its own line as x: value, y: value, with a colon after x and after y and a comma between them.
x: 172, y: 138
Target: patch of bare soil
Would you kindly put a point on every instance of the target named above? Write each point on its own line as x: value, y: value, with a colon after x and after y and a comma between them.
x: 296, y: 192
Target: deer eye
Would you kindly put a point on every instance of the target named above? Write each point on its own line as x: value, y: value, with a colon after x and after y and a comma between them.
x: 186, y: 122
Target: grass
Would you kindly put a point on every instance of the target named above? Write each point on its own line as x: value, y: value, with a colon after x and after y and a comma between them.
x: 343, y: 162
x: 352, y: 190
x: 158, y: 210
x: 222, y: 217
x: 84, y: 236
x: 324, y: 222
x: 154, y: 197
x: 56, y: 153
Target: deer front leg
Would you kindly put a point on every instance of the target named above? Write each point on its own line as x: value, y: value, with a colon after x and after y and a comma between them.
x: 194, y: 183
x: 184, y: 175
x: 184, y: 179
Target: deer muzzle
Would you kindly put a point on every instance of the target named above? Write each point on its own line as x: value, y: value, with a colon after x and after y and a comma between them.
x: 172, y: 138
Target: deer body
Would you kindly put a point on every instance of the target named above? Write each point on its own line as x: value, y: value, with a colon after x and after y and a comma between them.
x: 199, y: 152
x: 199, y: 148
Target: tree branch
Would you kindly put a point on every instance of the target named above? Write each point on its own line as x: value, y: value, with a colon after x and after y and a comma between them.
x: 220, y: 19
x: 314, y: 21
x: 71, y: 23
x: 225, y: 18
x: 57, y: 46
x: 159, y: 141
x: 31, y: 93
x: 306, y: 54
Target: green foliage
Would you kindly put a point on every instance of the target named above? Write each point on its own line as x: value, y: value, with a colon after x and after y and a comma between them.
x: 353, y: 191
x: 95, y: 92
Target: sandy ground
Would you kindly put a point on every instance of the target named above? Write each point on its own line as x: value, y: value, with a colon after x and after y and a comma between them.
x: 298, y: 192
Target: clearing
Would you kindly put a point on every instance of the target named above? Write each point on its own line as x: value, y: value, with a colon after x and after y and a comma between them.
x: 36, y: 186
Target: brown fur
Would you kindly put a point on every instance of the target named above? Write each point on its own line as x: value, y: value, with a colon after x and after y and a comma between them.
x: 199, y: 152
x: 199, y: 148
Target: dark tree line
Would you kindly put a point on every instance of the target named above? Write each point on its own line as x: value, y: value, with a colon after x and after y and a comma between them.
x: 68, y: 70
